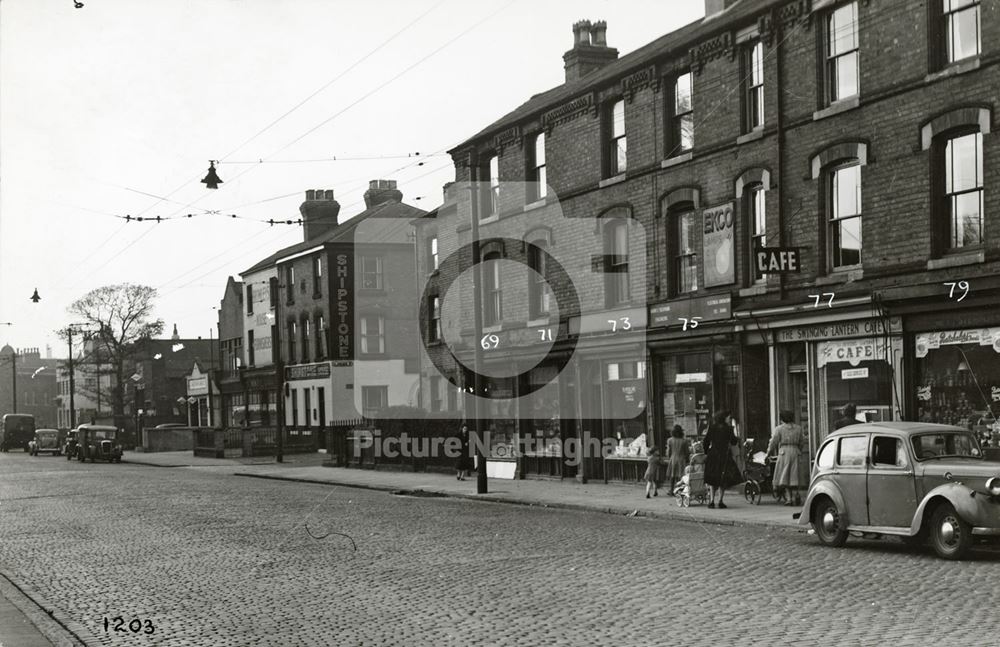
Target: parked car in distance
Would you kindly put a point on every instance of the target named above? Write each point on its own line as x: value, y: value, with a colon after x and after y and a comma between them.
x: 98, y: 442
x: 47, y: 440
x: 918, y: 481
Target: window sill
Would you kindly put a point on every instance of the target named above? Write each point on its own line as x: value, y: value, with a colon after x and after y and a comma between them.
x: 537, y: 204
x: 837, y: 108
x: 752, y: 136
x: 840, y: 276
x: 754, y: 291
x: 611, y: 180
x: 540, y: 321
x: 677, y: 159
x: 954, y: 69
x: 957, y: 260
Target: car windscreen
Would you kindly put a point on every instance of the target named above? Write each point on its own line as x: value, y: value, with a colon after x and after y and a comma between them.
x: 47, y: 434
x: 104, y: 435
x: 946, y: 444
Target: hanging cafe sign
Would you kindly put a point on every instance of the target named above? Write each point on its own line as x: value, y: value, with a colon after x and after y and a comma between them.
x: 982, y: 336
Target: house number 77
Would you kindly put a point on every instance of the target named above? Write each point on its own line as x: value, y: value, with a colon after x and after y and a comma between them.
x: 829, y: 304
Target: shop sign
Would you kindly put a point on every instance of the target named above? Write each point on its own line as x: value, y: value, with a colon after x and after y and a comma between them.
x: 982, y: 336
x: 853, y: 351
x: 717, y: 245
x: 342, y: 335
x: 342, y: 364
x: 691, y: 378
x: 854, y: 374
x: 838, y: 330
x: 777, y: 260
x: 197, y: 385
x: 308, y: 372
x: 706, y: 308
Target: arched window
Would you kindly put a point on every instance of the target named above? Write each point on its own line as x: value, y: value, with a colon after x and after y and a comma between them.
x: 492, y: 289
x: 838, y: 167
x: 751, y: 191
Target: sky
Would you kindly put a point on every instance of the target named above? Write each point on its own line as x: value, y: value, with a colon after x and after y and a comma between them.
x: 116, y: 108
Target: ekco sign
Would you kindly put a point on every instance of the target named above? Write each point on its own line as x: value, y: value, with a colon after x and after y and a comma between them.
x: 718, y: 245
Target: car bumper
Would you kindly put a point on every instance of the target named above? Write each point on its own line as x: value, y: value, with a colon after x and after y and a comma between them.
x: 984, y: 531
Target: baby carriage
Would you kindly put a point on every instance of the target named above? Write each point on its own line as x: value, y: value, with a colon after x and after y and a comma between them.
x: 759, y: 475
x: 692, y: 484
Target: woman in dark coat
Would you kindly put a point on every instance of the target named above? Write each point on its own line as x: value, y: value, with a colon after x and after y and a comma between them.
x: 678, y: 455
x: 721, y: 471
x: 464, y: 462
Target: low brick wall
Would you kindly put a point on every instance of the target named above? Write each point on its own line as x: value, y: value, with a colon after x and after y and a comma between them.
x: 174, y: 439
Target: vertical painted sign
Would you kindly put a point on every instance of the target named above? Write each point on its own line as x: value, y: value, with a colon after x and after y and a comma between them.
x: 342, y: 325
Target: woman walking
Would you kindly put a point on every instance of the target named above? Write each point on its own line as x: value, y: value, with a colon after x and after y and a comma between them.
x: 652, y: 474
x: 788, y: 443
x: 678, y: 455
x: 464, y: 462
x: 721, y: 471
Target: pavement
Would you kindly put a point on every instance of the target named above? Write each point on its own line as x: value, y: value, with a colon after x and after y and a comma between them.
x: 617, y: 499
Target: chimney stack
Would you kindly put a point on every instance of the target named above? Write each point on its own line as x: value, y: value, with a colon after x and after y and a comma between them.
x: 319, y: 213
x: 590, y: 49
x: 382, y: 191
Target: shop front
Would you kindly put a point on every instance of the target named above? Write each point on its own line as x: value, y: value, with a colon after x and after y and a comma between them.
x: 957, y: 376
x: 818, y: 369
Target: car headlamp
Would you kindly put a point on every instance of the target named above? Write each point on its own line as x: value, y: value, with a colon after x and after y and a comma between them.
x: 993, y: 486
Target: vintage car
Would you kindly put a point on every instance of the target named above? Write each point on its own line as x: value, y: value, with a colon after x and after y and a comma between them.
x: 98, y: 442
x: 47, y: 440
x: 921, y: 482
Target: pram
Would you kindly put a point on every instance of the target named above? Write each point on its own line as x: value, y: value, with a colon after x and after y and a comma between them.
x: 759, y: 475
x: 692, y: 484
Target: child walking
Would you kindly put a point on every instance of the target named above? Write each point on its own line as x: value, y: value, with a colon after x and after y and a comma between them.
x: 652, y: 470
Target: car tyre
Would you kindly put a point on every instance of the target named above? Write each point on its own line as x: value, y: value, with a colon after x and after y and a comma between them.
x: 951, y: 536
x: 829, y: 523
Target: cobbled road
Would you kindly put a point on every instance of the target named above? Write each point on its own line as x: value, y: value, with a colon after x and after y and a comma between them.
x: 214, y: 559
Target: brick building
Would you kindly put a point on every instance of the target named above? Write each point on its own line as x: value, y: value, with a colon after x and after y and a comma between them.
x: 340, y: 307
x: 858, y: 137
x: 231, y: 405
x: 34, y: 379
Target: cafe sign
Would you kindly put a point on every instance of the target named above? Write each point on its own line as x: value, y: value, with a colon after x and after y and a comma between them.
x: 981, y: 336
x: 852, y: 351
x: 839, y: 330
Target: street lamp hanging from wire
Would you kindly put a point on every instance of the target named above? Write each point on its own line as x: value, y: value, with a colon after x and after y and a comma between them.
x: 211, y: 180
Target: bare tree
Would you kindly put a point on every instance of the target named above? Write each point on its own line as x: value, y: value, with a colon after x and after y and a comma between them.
x: 120, y: 316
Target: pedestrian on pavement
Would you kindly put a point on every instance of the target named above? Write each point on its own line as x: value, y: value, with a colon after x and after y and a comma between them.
x: 721, y: 471
x: 464, y: 463
x: 678, y: 455
x: 847, y: 417
x: 652, y: 474
x: 788, y: 443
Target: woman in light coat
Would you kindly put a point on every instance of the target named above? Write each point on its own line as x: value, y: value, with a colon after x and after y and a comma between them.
x: 789, y: 444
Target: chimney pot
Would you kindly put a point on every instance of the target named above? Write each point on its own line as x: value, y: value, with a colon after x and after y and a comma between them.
x: 319, y: 213
x: 590, y: 50
x: 381, y: 191
x: 310, y: 194
x: 328, y: 194
x: 598, y: 33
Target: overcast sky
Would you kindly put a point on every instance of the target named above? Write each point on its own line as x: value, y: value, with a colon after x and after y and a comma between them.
x: 102, y: 105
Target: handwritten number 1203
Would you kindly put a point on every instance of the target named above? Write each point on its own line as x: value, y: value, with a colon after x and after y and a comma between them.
x: 135, y: 626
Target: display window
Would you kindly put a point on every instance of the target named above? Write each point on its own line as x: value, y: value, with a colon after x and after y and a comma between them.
x: 502, y: 416
x: 958, y: 380
x: 545, y: 436
x: 625, y: 402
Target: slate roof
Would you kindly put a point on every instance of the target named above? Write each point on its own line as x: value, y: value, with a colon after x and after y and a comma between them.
x: 676, y: 43
x: 342, y: 232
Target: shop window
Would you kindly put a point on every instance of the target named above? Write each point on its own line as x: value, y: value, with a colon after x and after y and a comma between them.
x: 888, y: 451
x: 295, y: 407
x: 827, y: 455
x: 844, y: 226
x: 853, y: 450
x: 951, y: 367
x: 841, y: 53
x: 753, y: 86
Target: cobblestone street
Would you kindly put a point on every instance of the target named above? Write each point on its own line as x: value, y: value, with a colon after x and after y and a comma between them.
x: 212, y: 559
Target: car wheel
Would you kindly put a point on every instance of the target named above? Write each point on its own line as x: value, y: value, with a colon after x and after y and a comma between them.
x: 829, y: 523
x: 951, y: 536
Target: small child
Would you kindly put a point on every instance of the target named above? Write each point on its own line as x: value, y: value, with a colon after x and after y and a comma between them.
x: 652, y: 474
